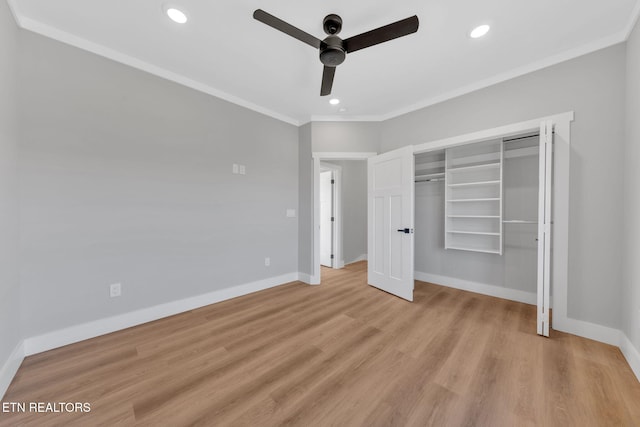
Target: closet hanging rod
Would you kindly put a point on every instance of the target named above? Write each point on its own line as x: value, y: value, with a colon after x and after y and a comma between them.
x: 429, y: 180
x: 518, y: 138
x: 518, y: 221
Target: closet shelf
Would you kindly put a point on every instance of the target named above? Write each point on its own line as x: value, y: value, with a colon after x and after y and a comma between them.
x: 479, y: 233
x: 471, y: 184
x: 482, y: 166
x: 473, y: 195
x: 491, y: 199
x: 486, y: 251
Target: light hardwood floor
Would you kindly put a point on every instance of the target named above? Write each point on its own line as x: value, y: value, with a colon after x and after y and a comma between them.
x: 342, y: 354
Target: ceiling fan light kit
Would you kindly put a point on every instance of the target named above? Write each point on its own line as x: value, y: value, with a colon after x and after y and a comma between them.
x: 333, y: 49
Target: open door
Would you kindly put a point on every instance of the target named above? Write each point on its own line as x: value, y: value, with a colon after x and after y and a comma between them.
x: 544, y: 226
x: 390, y: 222
x: 326, y: 218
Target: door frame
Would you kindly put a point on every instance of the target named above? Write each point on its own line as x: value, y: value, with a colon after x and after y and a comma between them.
x: 317, y: 158
x: 560, y: 199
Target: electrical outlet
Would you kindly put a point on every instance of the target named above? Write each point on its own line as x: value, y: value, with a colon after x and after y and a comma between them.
x: 243, y: 170
x: 267, y: 262
x: 234, y: 168
x: 115, y: 290
x: 291, y: 213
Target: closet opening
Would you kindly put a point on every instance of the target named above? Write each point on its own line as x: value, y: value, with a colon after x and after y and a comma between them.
x: 466, y: 219
x: 476, y: 217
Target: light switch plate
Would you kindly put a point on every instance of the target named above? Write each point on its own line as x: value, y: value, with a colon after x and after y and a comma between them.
x: 291, y: 213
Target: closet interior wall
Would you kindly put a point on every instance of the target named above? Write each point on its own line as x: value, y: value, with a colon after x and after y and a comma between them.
x: 516, y: 268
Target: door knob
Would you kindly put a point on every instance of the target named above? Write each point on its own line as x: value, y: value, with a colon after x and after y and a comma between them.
x: 404, y: 230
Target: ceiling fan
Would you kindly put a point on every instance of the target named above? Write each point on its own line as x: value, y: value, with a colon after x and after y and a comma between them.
x: 333, y: 50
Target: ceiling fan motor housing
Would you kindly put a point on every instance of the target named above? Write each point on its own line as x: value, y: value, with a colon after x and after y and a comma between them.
x: 332, y: 53
x: 332, y: 24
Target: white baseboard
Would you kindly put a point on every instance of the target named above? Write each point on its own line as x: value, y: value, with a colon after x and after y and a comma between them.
x: 362, y: 257
x: 479, y: 288
x: 588, y: 330
x: 10, y: 368
x: 99, y: 327
x: 308, y: 279
x: 630, y: 352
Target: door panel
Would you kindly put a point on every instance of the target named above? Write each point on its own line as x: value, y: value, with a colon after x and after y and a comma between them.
x: 376, y: 262
x: 391, y: 208
x: 396, y: 223
x: 544, y: 227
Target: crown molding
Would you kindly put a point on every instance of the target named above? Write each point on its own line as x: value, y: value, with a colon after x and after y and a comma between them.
x: 101, y: 50
x: 79, y: 42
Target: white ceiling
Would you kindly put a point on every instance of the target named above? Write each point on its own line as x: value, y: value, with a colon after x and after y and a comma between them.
x: 222, y: 50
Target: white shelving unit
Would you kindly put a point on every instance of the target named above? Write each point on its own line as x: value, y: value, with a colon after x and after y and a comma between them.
x: 473, y: 195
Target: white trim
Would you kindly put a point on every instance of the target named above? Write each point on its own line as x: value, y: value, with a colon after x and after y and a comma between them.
x: 306, y: 278
x: 10, y: 368
x: 511, y: 74
x: 328, y: 118
x: 101, y: 50
x: 362, y: 257
x: 315, y: 202
x: 343, y: 155
x: 559, y: 58
x: 488, y: 134
x: 99, y: 327
x: 479, y: 288
x: 587, y: 330
x: 633, y: 19
x: 630, y: 352
x: 14, y: 11
x: 79, y: 42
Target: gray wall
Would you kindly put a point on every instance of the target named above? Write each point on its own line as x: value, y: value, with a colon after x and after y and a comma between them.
x: 305, y: 198
x: 9, y: 285
x: 631, y: 248
x: 345, y: 136
x: 517, y: 267
x: 594, y: 87
x: 354, y: 209
x: 126, y: 177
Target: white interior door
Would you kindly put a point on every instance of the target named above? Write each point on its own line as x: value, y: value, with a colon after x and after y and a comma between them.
x: 390, y: 222
x: 544, y: 226
x: 326, y: 214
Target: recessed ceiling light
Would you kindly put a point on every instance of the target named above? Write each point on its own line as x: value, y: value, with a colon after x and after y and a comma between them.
x: 334, y: 101
x: 176, y: 15
x: 479, y: 31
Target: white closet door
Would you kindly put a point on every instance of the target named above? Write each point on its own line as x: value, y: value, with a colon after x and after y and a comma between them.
x: 390, y: 222
x: 544, y: 226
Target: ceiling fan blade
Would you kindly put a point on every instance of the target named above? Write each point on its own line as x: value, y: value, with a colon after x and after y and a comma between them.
x: 383, y: 34
x: 327, y: 80
x: 286, y: 28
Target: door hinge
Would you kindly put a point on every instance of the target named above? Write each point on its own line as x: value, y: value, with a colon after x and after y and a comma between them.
x: 332, y: 219
x: 331, y: 256
x: 333, y: 181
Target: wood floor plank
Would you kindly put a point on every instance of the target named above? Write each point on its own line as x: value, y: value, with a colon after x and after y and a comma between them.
x: 339, y: 354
